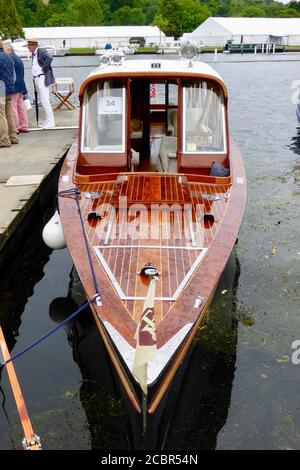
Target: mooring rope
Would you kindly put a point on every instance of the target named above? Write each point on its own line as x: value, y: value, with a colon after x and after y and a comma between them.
x: 35, y: 343
x: 76, y: 193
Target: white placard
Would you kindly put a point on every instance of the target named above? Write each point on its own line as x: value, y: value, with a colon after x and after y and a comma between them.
x: 110, y: 105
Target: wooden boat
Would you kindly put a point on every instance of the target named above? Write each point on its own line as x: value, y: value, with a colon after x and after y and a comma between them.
x: 151, y: 199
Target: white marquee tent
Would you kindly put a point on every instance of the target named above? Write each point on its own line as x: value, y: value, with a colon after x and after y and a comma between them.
x: 93, y: 36
x: 215, y: 31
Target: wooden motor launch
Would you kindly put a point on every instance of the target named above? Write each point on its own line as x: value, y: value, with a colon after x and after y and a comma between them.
x: 151, y: 201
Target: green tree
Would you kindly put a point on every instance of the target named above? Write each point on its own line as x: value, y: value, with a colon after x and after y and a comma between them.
x: 150, y: 8
x: 178, y: 16
x: 253, y: 11
x: 294, y: 6
x: 128, y: 16
x: 60, y: 19
x: 10, y: 23
x: 86, y: 12
x: 137, y: 17
x: 117, y: 4
x: 289, y: 13
x: 160, y: 21
x: 33, y: 12
x: 193, y: 14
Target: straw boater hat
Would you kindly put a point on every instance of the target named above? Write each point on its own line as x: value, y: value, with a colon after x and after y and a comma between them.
x: 32, y: 41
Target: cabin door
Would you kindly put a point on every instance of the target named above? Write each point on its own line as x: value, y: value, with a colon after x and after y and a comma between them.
x: 153, y: 124
x: 140, y: 122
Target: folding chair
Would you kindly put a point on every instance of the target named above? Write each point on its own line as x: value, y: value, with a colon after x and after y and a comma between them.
x: 63, y: 89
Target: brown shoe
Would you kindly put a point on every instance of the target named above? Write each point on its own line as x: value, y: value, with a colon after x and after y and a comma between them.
x: 5, y: 145
x: 14, y: 140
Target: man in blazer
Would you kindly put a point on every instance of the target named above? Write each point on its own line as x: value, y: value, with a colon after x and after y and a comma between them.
x: 43, y: 77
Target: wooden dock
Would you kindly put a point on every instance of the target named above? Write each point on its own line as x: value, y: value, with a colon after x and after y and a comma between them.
x: 27, y: 171
x: 24, y: 167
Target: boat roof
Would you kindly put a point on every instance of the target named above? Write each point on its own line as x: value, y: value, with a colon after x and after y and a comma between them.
x: 154, y: 67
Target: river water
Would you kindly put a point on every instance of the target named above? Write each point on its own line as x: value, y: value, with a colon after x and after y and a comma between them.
x: 240, y: 389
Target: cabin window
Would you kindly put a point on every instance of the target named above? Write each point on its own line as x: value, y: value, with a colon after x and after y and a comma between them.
x: 158, y: 93
x: 104, y: 117
x: 203, y: 118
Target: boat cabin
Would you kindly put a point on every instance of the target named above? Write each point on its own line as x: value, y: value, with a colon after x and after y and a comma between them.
x: 163, y: 116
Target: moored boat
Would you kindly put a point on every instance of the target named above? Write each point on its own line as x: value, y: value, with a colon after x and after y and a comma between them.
x: 267, y: 47
x: 169, y: 48
x: 21, y: 49
x: 151, y: 199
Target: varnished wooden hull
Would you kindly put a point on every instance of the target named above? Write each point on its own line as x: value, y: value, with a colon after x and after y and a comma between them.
x: 189, y: 271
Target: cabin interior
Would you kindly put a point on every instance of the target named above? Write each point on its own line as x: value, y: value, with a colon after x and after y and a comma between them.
x: 167, y: 125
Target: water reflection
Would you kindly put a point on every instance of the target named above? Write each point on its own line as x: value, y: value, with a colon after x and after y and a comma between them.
x: 196, y: 407
x: 191, y: 414
x: 204, y: 398
x: 295, y: 143
x: 295, y: 147
x: 99, y: 392
x: 17, y: 285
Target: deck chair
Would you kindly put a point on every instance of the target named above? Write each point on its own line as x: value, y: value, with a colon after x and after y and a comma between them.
x: 62, y: 89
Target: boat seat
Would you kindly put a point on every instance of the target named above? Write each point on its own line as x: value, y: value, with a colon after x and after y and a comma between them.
x: 135, y: 159
x: 168, y: 154
x: 172, y: 121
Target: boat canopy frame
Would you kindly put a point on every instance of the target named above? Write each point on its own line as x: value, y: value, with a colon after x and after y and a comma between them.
x: 188, y: 157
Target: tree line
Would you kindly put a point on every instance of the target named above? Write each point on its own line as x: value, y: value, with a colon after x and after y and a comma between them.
x: 174, y: 17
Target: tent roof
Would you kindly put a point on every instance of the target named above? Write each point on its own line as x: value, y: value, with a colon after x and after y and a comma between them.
x: 92, y: 31
x: 253, y: 26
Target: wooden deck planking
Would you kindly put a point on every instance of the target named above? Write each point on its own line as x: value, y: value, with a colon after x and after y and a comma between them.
x: 126, y: 261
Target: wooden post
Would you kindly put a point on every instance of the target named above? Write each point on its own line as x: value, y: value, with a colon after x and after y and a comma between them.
x: 31, y: 441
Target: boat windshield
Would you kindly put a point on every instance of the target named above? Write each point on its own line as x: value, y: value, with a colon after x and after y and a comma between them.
x: 203, y: 118
x: 104, y: 117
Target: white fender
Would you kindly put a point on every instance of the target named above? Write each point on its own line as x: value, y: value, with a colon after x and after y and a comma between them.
x: 53, y: 234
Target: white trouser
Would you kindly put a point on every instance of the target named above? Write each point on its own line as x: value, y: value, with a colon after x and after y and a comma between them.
x: 43, y: 91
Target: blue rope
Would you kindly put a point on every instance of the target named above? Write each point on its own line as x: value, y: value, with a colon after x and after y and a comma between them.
x: 69, y: 192
x: 50, y: 332
x: 76, y: 192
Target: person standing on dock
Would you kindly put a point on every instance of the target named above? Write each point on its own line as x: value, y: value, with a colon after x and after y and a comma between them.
x: 18, y: 106
x: 43, y: 77
x: 8, y: 134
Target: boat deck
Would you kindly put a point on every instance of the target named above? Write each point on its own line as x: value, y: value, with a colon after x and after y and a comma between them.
x: 151, y: 218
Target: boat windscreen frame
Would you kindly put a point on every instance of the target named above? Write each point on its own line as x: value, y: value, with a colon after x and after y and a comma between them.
x: 224, y: 151
x: 187, y: 162
x: 105, y: 151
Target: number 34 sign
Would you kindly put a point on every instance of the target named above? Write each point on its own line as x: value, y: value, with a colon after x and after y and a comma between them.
x: 110, y: 105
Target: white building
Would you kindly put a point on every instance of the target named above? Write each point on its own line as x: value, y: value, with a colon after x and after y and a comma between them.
x: 215, y: 31
x: 94, y: 36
